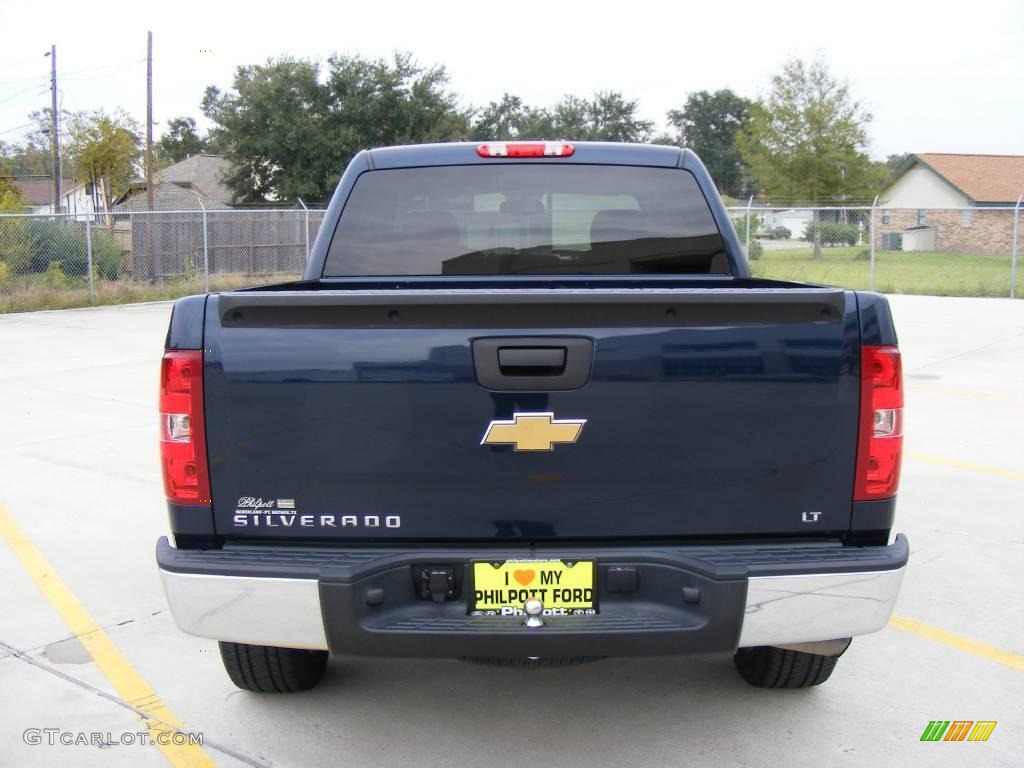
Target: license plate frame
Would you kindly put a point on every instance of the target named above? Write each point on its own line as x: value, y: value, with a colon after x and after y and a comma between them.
x: 537, y: 577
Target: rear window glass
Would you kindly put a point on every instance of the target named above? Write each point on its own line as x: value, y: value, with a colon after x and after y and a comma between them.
x: 526, y: 219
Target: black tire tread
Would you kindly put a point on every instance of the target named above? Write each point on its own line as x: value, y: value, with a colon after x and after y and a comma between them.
x: 266, y: 669
x: 770, y: 667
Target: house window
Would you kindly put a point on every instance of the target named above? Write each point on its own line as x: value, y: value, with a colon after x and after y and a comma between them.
x: 966, y: 217
x: 922, y: 217
x: 886, y: 217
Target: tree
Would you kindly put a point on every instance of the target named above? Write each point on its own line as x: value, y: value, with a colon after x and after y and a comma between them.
x: 892, y: 162
x: 28, y: 159
x: 11, y: 199
x: 15, y: 246
x: 290, y: 126
x: 709, y: 124
x: 509, y: 119
x: 667, y: 139
x: 806, y: 141
x: 606, y: 116
x: 610, y: 117
x: 181, y: 141
x: 105, y: 148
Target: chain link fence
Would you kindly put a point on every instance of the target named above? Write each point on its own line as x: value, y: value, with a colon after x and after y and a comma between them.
x: 51, y: 261
x: 55, y: 261
x: 932, y: 251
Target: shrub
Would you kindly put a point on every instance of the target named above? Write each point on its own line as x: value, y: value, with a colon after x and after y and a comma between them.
x: 107, y: 259
x: 5, y: 274
x: 63, y: 242
x: 740, y: 225
x: 834, y: 233
x: 55, y: 277
x: 56, y: 242
x: 16, y: 244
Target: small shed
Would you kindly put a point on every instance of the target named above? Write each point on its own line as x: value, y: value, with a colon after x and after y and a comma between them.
x: 919, y: 239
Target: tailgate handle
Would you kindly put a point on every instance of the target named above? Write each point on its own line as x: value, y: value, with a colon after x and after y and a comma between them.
x: 531, y: 361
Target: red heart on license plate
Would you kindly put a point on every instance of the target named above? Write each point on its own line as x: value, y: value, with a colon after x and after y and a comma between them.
x: 524, y: 577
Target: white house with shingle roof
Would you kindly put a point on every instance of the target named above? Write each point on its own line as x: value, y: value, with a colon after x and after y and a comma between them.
x: 935, y: 180
x: 77, y: 199
x: 951, y: 203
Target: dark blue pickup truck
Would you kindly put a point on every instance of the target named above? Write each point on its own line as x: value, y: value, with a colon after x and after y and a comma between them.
x: 525, y: 406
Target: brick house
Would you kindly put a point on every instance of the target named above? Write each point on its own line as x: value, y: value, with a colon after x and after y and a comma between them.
x: 950, y: 203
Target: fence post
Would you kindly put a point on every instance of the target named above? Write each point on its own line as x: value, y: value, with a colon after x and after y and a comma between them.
x: 874, y: 203
x: 1016, y: 247
x: 206, y: 253
x: 88, y: 257
x: 750, y: 201
x: 305, y: 237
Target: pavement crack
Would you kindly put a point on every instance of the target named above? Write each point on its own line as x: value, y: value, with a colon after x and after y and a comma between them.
x: 21, y: 655
x: 101, y: 628
x: 1002, y: 340
x: 974, y: 536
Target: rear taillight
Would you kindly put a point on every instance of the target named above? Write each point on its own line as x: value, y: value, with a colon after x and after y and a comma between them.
x: 525, y: 149
x: 880, y: 443
x: 182, y: 428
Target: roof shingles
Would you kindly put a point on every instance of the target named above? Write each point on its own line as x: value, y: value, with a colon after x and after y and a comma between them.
x: 983, y: 178
x: 40, y: 191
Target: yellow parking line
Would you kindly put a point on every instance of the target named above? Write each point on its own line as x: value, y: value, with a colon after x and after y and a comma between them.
x: 999, y: 656
x: 998, y: 471
x: 160, y: 721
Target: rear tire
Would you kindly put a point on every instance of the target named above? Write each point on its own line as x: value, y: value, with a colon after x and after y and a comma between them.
x: 266, y: 669
x: 770, y: 667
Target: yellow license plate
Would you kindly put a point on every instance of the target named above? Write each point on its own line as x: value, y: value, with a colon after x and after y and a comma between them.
x: 564, y: 587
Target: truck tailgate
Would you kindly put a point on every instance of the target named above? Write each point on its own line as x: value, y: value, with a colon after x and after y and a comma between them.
x: 357, y: 414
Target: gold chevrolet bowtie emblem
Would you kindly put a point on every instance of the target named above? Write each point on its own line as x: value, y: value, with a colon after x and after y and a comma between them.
x: 533, y: 431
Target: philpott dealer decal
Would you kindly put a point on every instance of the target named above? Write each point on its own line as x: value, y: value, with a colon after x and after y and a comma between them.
x: 257, y: 512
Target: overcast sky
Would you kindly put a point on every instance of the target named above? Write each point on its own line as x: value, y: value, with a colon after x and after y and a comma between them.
x: 937, y: 79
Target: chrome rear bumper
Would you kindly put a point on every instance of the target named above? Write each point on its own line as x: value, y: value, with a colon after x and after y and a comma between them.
x: 778, y: 610
x: 246, y: 609
x: 810, y: 607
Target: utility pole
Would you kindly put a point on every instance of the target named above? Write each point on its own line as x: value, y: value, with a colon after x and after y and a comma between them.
x: 149, y: 121
x: 55, y: 130
x: 151, y: 224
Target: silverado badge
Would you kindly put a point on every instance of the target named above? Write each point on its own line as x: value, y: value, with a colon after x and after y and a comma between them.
x: 533, y: 431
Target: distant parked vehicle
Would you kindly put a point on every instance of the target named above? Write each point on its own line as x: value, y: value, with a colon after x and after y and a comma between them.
x: 775, y: 233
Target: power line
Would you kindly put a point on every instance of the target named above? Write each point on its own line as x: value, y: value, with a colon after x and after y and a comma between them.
x: 23, y: 80
x: 16, y: 128
x: 71, y: 73
x: 136, y: 60
x: 12, y: 97
x: 120, y: 68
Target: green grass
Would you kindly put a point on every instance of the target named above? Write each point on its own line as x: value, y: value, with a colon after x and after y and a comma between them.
x: 932, y: 274
x: 26, y: 293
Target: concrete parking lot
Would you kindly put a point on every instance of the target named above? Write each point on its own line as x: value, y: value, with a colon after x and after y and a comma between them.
x: 88, y: 642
